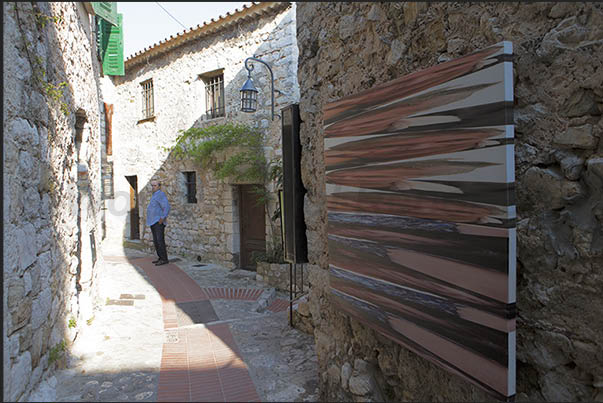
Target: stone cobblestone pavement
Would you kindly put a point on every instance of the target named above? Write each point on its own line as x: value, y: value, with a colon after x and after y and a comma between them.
x: 129, y: 353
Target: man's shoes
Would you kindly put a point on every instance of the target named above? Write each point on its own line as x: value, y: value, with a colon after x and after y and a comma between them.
x: 155, y: 261
x: 161, y: 262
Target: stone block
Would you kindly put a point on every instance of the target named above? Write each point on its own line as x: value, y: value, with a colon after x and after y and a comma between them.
x: 412, y: 10
x: 361, y: 365
x: 36, y: 284
x: 20, y: 374
x: 561, y: 9
x: 333, y: 375
x: 571, y: 165
x: 27, y: 282
x: 16, y: 290
x: 13, y: 346
x: 36, y: 376
x: 44, y: 238
x: 556, y: 389
x: 346, y: 27
x: 41, y: 308
x: 594, y: 174
x: 346, y: 373
x: 549, y: 189
x: 22, y: 132
x: 26, y: 165
x: 577, y: 137
x: 375, y: 13
x: 21, y: 316
x: 25, y: 338
x: 397, y: 49
x: 581, y: 103
x: 361, y: 384
x: 456, y: 46
x: 26, y: 241
x: 550, y: 350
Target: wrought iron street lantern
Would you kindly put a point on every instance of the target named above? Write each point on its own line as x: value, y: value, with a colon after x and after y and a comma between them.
x: 249, y: 94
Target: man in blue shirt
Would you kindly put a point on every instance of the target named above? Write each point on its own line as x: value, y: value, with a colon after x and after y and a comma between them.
x: 157, y: 213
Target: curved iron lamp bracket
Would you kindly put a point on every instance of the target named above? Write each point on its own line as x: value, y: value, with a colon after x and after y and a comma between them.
x: 249, y: 68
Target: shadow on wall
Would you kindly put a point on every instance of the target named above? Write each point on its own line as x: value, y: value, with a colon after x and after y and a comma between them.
x: 48, y: 240
x: 209, y: 227
x: 53, y: 229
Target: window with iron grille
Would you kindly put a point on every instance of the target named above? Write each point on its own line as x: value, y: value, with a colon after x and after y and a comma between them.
x: 214, y: 96
x: 190, y: 184
x: 148, y: 102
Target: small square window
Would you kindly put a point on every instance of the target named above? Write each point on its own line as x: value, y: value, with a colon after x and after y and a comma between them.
x: 214, y: 95
x: 190, y: 185
x: 148, y: 101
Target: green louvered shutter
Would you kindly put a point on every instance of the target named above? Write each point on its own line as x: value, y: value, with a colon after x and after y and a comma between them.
x: 107, y: 10
x: 111, y: 39
x: 101, y: 44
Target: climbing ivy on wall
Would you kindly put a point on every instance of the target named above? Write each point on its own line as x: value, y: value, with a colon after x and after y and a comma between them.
x: 54, y: 93
x: 231, y: 151
x: 235, y: 151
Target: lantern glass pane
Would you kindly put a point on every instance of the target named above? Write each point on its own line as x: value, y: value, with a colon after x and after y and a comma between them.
x: 248, y: 101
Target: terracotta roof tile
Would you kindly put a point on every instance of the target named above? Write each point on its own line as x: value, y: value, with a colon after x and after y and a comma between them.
x: 255, y: 9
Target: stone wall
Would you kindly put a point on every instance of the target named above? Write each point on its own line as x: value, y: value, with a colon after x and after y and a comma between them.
x: 208, y: 229
x: 345, y: 48
x: 51, y: 185
x: 277, y: 275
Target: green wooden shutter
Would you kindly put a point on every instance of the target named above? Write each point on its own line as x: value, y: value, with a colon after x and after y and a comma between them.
x: 107, y: 10
x: 100, y: 37
x: 111, y: 38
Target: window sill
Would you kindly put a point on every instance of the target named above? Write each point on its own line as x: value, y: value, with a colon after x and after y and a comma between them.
x: 208, y: 118
x: 149, y: 119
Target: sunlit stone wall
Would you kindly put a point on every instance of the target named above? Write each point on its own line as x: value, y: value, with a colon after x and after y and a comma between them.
x: 210, y: 228
x: 51, y: 186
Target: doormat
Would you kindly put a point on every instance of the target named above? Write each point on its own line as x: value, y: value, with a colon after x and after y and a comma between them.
x: 191, y: 313
x: 199, y: 265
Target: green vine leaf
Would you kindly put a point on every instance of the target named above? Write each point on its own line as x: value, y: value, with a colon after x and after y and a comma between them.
x: 232, y: 151
x: 54, y: 92
x: 235, y: 151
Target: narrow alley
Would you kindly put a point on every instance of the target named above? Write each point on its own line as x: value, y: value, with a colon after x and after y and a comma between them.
x: 425, y: 177
x: 185, y: 331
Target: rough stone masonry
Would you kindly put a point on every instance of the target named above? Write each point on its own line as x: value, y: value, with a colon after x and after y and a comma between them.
x: 558, y: 75
x: 51, y: 185
x: 208, y: 228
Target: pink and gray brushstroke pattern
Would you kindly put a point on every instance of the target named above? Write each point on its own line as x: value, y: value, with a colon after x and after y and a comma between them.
x: 421, y: 213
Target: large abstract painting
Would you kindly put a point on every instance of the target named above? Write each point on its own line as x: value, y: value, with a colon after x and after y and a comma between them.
x: 421, y: 215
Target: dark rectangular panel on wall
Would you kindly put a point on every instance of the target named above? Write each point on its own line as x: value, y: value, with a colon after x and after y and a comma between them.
x: 296, y: 249
x: 421, y: 213
x: 107, y: 179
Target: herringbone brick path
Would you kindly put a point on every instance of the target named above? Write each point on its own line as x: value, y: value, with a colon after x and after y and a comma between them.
x: 198, y: 363
x: 278, y: 305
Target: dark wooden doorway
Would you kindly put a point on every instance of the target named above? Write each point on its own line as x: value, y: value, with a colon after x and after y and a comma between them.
x: 253, y: 226
x: 134, y: 214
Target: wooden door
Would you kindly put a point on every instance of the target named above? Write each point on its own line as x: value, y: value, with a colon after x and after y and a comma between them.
x: 253, y: 226
x: 134, y: 214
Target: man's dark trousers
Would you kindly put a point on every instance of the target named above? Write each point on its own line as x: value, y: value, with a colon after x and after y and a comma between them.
x: 158, y: 231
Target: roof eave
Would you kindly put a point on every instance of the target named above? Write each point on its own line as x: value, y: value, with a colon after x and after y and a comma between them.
x: 253, y: 11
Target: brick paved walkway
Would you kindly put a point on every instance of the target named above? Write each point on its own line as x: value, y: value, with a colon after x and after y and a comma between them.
x: 278, y: 305
x: 200, y: 363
